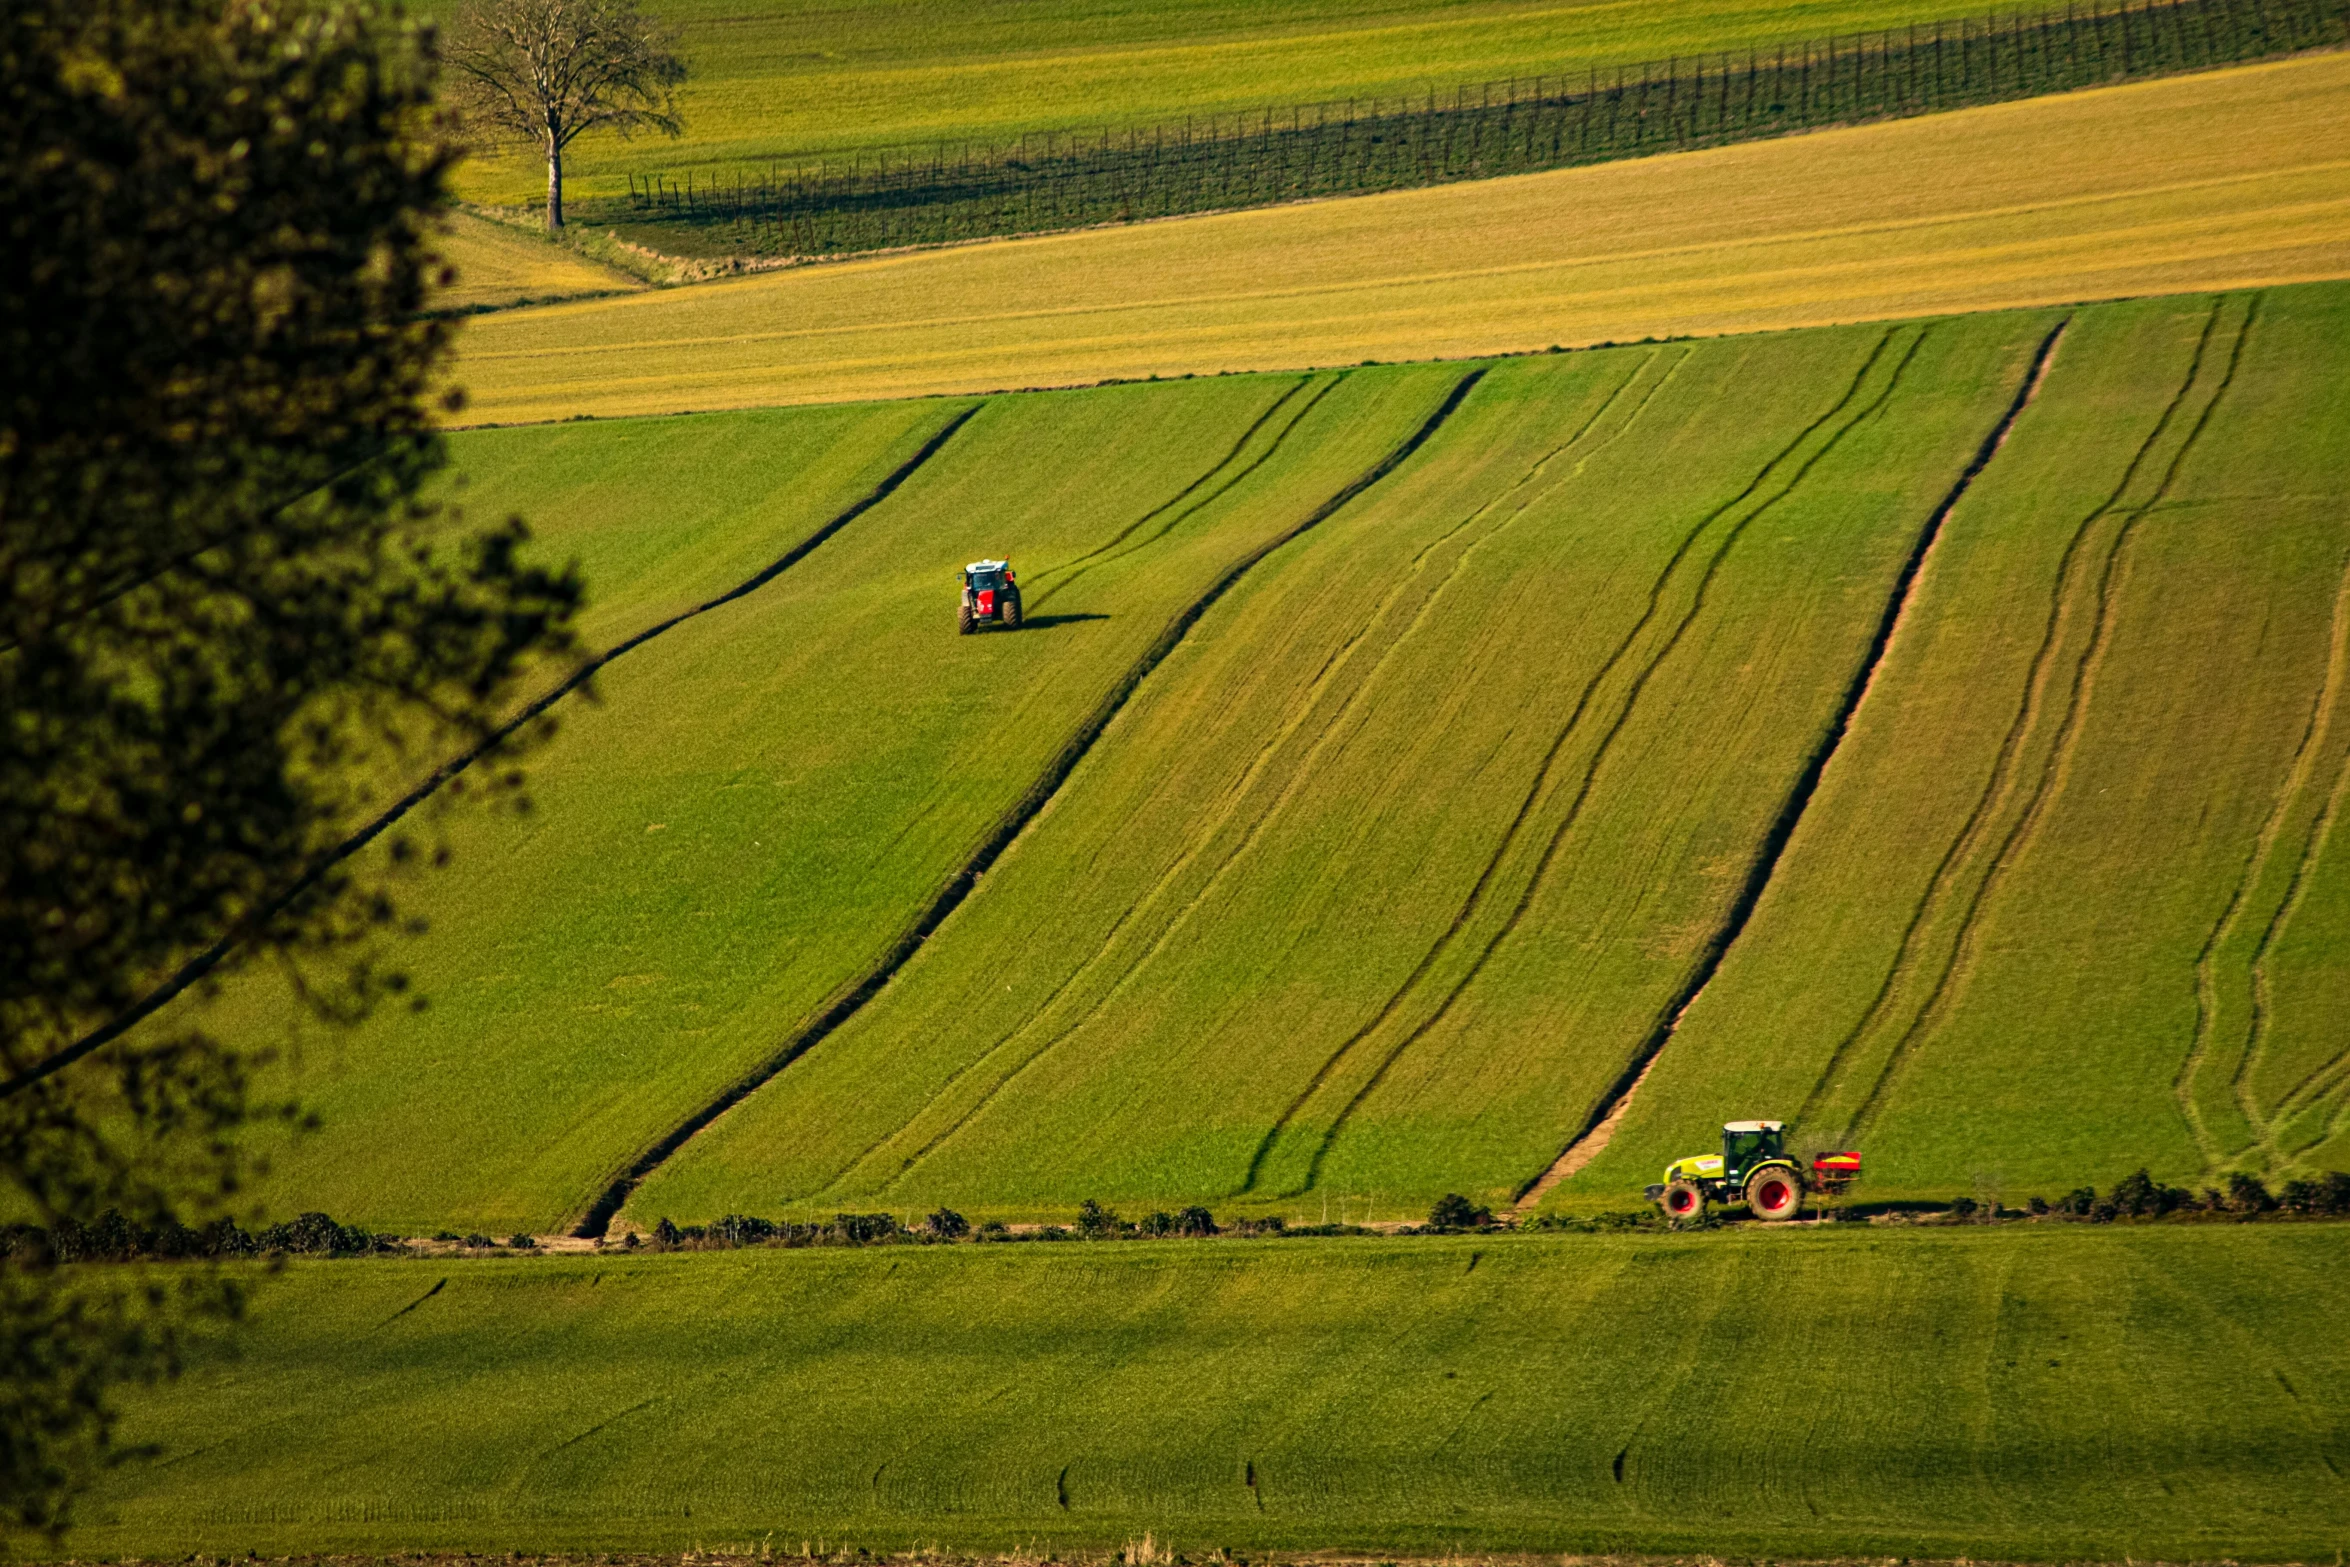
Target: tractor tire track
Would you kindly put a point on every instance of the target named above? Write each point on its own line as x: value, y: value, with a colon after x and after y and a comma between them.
x: 1237, y: 795
x: 1600, y: 1125
x: 979, y: 1061
x: 1590, y: 778
x: 1104, y: 554
x: 1998, y: 787
x: 2057, y: 771
x: 2309, y: 753
x: 1008, y: 827
x: 205, y: 962
x: 2327, y: 1076
x: 1539, y: 786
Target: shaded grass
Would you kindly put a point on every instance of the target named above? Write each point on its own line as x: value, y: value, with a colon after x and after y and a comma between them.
x: 2150, y: 1393
x: 2198, y: 182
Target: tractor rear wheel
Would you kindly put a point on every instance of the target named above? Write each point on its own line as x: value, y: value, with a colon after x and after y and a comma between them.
x: 1011, y: 614
x: 963, y: 620
x: 1774, y: 1194
x: 1684, y: 1200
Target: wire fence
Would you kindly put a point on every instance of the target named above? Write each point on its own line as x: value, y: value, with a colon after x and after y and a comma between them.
x: 1055, y: 181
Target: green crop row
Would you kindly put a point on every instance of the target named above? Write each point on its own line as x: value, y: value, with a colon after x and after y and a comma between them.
x: 889, y: 198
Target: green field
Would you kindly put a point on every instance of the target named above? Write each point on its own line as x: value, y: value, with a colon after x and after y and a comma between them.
x: 1368, y: 867
x: 765, y: 797
x: 782, y: 81
x: 2161, y: 1394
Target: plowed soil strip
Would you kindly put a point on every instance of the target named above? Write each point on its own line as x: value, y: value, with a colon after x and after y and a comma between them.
x: 1011, y: 824
x: 213, y: 956
x: 1610, y: 1111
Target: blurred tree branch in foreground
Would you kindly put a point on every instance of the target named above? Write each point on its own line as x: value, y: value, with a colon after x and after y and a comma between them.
x: 230, y: 619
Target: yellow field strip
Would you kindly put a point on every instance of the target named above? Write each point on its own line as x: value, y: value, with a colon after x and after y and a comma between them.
x: 2225, y: 180
x: 498, y: 266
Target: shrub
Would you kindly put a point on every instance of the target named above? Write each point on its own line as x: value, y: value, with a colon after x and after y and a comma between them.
x: 1963, y: 1208
x: 1455, y: 1212
x: 2246, y: 1194
x: 315, y: 1235
x: 2037, y: 1207
x: 993, y: 1230
x: 861, y: 1229
x: 944, y: 1224
x: 1156, y: 1225
x: 1096, y: 1222
x: 523, y: 1242
x: 666, y: 1233
x: 2328, y: 1194
x: 479, y: 1241
x: 1195, y: 1221
x: 740, y: 1230
x: 2141, y: 1196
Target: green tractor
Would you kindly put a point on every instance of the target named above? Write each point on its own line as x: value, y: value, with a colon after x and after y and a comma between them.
x: 1754, y: 1168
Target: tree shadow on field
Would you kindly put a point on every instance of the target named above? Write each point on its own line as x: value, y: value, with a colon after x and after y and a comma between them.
x: 1047, y: 622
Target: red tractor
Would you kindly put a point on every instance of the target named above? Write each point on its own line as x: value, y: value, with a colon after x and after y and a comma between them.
x: 1754, y: 1168
x: 991, y: 597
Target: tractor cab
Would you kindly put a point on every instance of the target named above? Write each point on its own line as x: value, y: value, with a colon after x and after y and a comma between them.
x: 991, y: 597
x: 1749, y: 1144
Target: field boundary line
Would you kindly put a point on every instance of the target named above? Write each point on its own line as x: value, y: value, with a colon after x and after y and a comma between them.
x: 1600, y: 1126
x: 1600, y: 754
x: 1237, y: 795
x: 2056, y: 769
x: 1997, y: 786
x: 210, y: 959
x: 1008, y: 827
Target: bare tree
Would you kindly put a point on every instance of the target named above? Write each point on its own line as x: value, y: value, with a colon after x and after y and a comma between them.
x: 546, y: 72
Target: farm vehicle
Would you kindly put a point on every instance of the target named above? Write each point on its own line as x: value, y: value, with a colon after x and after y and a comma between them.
x: 991, y: 597
x: 1754, y: 1168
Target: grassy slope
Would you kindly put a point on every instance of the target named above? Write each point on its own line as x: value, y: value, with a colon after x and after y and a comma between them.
x: 1984, y: 951
x: 1299, y: 804
x: 776, y: 80
x: 767, y: 794
x: 497, y: 266
x: 1325, y: 817
x: 2201, y: 182
x: 2165, y: 1394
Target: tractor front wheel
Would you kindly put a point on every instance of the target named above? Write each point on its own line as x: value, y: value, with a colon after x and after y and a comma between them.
x: 1684, y: 1200
x: 963, y: 621
x: 1774, y: 1195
